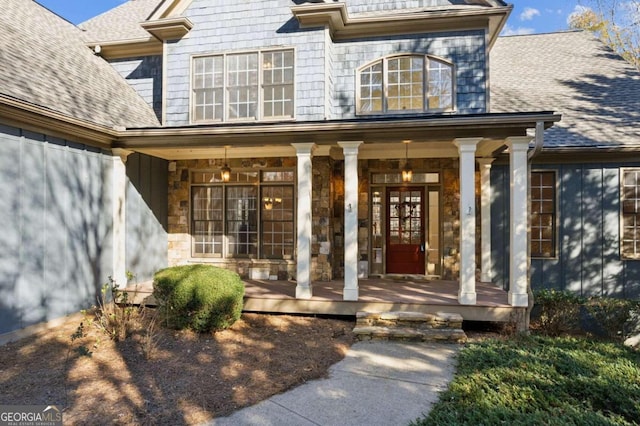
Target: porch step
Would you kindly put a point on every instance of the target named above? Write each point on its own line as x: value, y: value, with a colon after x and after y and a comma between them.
x: 409, y: 326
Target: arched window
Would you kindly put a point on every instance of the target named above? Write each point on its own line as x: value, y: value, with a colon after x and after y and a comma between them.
x: 405, y: 83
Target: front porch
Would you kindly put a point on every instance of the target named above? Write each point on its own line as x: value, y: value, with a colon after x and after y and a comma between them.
x: 401, y: 293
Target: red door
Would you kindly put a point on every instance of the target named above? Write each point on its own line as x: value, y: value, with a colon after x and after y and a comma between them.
x: 405, y: 231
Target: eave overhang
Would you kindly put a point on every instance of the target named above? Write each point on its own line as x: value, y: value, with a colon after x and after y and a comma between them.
x: 160, y: 30
x: 127, y: 48
x: 432, y: 134
x: 370, y: 131
x: 335, y: 17
x: 17, y: 113
x: 168, y: 28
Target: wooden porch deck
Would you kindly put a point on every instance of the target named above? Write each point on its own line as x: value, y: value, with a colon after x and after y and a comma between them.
x: 379, y: 295
x: 408, y: 294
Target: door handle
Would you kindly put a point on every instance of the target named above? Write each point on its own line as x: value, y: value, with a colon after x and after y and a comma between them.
x: 422, y: 248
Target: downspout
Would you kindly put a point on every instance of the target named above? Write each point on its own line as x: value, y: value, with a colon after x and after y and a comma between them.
x: 537, y: 148
x: 538, y: 141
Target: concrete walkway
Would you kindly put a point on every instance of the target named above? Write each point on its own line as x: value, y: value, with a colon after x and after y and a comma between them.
x: 377, y: 383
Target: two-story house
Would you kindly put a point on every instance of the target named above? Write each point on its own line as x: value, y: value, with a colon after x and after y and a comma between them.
x: 286, y: 140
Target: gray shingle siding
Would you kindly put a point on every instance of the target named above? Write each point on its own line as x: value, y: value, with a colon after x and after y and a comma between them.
x: 464, y: 49
x: 366, y: 6
x: 144, y: 74
x: 241, y: 26
x: 325, y: 71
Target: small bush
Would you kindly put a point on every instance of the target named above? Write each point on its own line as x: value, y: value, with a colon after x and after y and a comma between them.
x: 200, y: 297
x: 614, y: 317
x: 115, y: 311
x: 558, y: 311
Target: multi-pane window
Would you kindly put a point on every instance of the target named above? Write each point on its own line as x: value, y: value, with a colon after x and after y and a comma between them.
x: 243, y: 86
x: 406, y: 83
x: 277, y: 222
x: 630, y: 205
x: 543, y: 214
x: 208, y: 84
x: 277, y: 83
x: 251, y: 216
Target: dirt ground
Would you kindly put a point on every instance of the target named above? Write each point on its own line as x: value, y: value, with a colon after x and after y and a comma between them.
x: 188, y: 379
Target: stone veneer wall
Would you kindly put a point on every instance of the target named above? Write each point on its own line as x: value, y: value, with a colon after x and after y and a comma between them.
x: 179, y: 240
x: 450, y: 200
x: 327, y: 248
x: 322, y: 244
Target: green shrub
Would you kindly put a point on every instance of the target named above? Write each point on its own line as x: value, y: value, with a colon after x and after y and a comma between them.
x: 558, y: 311
x: 540, y: 380
x: 200, y: 297
x: 614, y: 317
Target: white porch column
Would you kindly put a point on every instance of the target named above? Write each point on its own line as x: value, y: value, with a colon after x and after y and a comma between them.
x: 467, y: 150
x: 119, y: 207
x: 350, y: 219
x: 485, y: 218
x: 518, y: 220
x: 304, y: 152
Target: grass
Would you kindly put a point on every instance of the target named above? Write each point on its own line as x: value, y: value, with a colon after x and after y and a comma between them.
x: 533, y: 380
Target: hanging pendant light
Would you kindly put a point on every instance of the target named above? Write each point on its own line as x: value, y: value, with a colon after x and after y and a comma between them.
x: 407, y: 171
x: 225, y: 172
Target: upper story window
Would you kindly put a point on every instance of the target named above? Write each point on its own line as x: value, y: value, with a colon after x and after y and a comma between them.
x: 243, y: 86
x: 630, y: 206
x: 407, y: 83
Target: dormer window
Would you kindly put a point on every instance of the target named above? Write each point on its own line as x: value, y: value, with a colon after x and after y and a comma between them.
x: 405, y: 83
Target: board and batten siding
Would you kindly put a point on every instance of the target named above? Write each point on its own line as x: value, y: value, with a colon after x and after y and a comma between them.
x: 588, y: 260
x: 56, y: 226
x: 56, y: 223
x: 146, y: 217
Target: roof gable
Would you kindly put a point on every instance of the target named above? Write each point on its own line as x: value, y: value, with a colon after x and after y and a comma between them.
x: 46, y: 63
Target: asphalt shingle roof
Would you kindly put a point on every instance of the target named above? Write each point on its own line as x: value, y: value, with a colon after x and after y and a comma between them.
x: 120, y: 23
x: 44, y: 61
x: 573, y: 73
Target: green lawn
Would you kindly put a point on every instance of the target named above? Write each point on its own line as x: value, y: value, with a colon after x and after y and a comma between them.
x: 542, y: 381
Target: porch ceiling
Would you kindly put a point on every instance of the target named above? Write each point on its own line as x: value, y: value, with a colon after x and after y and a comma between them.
x: 431, y: 137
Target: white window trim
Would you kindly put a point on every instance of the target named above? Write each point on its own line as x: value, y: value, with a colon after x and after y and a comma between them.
x: 225, y: 117
x: 556, y: 214
x: 623, y: 255
x: 425, y: 109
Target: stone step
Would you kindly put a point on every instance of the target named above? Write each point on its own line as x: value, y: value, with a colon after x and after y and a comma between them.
x: 410, y: 334
x: 419, y: 320
x: 409, y: 326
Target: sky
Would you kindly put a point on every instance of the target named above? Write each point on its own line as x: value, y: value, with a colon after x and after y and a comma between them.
x: 528, y: 16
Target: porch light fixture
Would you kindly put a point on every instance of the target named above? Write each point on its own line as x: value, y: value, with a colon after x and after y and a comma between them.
x: 407, y: 171
x: 225, y: 172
